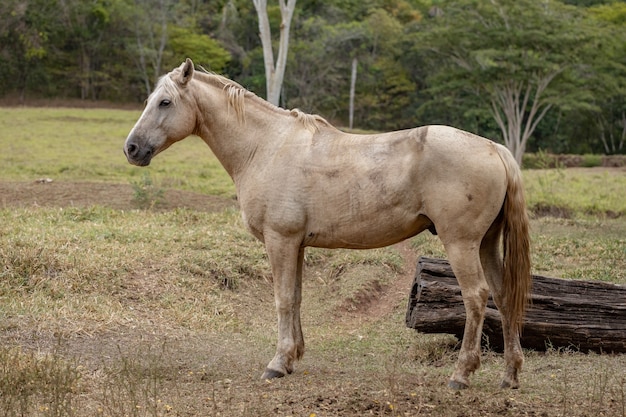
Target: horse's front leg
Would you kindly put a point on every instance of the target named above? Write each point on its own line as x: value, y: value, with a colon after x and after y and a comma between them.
x: 286, y: 257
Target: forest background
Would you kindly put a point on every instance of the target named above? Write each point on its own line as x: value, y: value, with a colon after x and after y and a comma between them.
x: 553, y: 69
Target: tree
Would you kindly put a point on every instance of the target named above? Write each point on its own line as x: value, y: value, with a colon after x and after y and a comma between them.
x: 385, y: 91
x: 274, y: 71
x: 521, y: 58
x: 150, y: 29
x: 611, y: 97
x: 317, y: 74
x: 86, y: 24
x: 26, y: 30
x: 204, y: 50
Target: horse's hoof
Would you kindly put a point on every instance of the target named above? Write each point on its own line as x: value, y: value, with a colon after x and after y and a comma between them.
x: 456, y: 385
x: 508, y: 384
x: 272, y: 373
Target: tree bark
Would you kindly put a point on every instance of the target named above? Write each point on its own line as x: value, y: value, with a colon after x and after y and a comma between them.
x: 582, y: 315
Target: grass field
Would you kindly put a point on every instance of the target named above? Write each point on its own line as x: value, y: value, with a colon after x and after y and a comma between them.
x: 114, y: 311
x: 86, y: 145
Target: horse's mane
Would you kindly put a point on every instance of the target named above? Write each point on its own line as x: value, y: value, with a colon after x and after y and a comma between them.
x: 237, y: 94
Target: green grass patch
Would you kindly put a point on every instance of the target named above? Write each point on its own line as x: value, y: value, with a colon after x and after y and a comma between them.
x: 588, y: 249
x: 68, y: 144
x: 577, y: 192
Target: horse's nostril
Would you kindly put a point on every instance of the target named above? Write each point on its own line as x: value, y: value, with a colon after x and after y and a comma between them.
x: 132, y: 149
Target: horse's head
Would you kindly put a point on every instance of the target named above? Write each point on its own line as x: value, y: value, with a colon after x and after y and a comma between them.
x: 167, y: 118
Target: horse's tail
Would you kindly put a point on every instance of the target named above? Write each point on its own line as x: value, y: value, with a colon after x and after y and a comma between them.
x: 517, y: 280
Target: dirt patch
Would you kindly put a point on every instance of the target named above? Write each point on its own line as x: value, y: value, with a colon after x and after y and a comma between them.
x: 364, y: 297
x: 42, y: 193
x: 375, y: 300
x: 547, y: 210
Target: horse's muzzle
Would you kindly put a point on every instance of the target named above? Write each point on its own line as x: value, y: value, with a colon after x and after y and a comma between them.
x: 137, y: 155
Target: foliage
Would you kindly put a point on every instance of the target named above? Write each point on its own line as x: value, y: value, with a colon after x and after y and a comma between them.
x: 569, y: 59
x: 519, y: 58
x: 540, y: 160
x: 201, y: 48
x: 98, y: 50
x: 591, y: 160
x: 610, y: 119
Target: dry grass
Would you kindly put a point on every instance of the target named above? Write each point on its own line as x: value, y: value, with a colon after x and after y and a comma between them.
x: 171, y: 313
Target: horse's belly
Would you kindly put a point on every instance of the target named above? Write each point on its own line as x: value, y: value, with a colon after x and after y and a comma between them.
x: 363, y: 234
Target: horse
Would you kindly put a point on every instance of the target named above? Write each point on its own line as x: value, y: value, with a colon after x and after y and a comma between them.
x: 301, y: 183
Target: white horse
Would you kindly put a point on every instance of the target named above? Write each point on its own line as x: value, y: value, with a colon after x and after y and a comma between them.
x: 301, y: 182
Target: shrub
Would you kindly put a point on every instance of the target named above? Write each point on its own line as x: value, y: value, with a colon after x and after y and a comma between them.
x: 591, y: 160
x: 147, y: 194
x: 540, y: 160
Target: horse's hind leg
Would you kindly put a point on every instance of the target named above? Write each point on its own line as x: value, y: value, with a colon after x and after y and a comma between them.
x: 286, y: 258
x: 492, y: 265
x: 465, y: 262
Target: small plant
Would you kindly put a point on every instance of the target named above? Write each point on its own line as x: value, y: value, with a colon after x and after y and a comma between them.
x: 37, y: 385
x: 539, y: 160
x: 547, y: 161
x: 133, y: 387
x: 591, y: 160
x: 148, y: 194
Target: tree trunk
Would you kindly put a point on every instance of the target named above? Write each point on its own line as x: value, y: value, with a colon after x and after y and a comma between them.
x: 584, y: 315
x: 143, y: 68
x: 517, y: 113
x: 158, y: 59
x: 352, y: 91
x: 274, y: 73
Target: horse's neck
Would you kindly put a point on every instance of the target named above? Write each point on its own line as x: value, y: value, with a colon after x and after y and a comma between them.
x: 235, y: 137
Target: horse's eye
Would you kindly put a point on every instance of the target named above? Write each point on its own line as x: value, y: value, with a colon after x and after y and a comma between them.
x: 165, y: 103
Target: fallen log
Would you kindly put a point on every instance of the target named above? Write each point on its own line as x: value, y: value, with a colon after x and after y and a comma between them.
x: 582, y: 315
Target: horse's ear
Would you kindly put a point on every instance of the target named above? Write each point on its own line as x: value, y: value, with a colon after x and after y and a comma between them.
x: 186, y: 71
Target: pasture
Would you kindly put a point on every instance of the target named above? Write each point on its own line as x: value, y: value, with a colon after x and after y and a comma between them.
x: 109, y: 309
